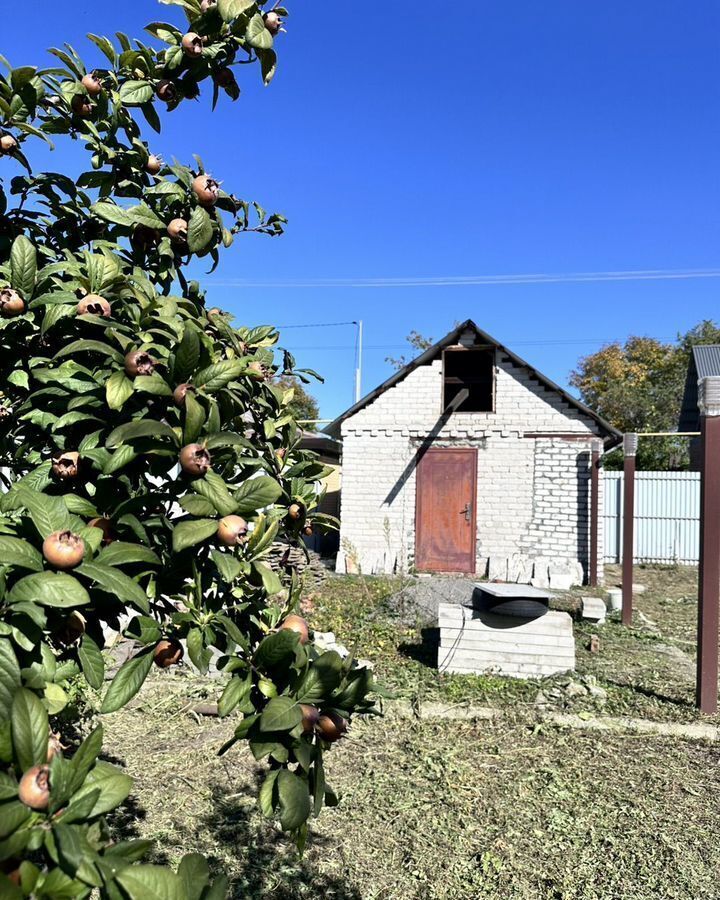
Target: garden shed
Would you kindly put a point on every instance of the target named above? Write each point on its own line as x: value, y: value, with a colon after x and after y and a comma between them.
x: 468, y: 460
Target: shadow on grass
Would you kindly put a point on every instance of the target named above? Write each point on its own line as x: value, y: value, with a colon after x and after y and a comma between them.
x: 681, y: 702
x: 425, y: 650
x: 260, y: 861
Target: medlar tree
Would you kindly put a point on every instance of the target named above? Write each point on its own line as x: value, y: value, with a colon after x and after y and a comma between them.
x: 150, y: 461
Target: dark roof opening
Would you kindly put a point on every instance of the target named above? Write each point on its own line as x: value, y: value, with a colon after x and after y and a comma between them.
x: 472, y: 369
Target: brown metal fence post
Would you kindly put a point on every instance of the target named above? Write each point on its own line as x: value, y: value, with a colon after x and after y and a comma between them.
x: 597, y: 447
x: 630, y: 444
x: 709, y: 574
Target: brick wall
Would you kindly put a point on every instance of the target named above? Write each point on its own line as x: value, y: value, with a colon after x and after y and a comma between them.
x: 533, y: 493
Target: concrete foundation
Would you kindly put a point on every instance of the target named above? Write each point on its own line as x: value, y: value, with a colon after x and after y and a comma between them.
x: 476, y: 642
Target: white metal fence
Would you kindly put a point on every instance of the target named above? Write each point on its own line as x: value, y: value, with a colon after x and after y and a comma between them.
x: 667, y: 517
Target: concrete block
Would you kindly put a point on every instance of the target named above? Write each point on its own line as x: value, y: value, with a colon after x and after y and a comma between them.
x: 594, y: 609
x: 473, y: 641
x: 497, y: 568
x: 561, y: 578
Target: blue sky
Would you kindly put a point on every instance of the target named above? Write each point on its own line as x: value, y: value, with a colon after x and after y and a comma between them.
x: 479, y: 139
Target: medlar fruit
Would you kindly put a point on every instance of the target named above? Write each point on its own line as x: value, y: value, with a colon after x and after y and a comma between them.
x: 73, y: 628
x: 8, y: 144
x: 207, y: 5
x: 180, y: 392
x: 153, y: 165
x: 206, y: 190
x: 225, y: 78
x: 166, y: 91
x: 63, y: 549
x: 105, y: 525
x: 81, y: 106
x: 195, y: 460
x: 178, y: 231
x: 11, y: 303
x: 331, y: 727
x: 168, y: 653
x: 310, y: 716
x: 144, y: 238
x: 139, y: 362
x: 192, y: 44
x: 298, y: 625
x: 232, y: 531
x: 273, y: 22
x: 92, y: 84
x: 66, y: 465
x: 296, y: 511
x: 34, y: 788
x: 94, y: 305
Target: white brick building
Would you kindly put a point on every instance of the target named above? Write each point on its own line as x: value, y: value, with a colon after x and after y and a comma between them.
x: 468, y: 460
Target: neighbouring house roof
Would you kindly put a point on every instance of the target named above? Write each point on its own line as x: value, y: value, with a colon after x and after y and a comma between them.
x: 612, y: 435
x: 704, y: 363
x: 320, y: 443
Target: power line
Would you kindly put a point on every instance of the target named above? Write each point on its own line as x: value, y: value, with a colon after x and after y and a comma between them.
x: 477, y: 280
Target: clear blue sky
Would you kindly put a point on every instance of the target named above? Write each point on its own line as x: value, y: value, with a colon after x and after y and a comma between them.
x: 475, y: 139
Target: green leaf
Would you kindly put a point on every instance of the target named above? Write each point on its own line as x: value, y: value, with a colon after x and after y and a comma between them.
x: 153, y: 384
x: 29, y: 720
x: 145, y: 882
x: 194, y: 419
x: 200, y: 230
x: 187, y: 356
x: 123, y: 456
x: 236, y: 690
x: 116, y: 583
x: 276, y: 649
x: 257, y: 34
x: 139, y: 429
x: 256, y: 493
x: 127, y: 682
x: 48, y: 514
x: 214, y: 489
x: 135, y: 93
x: 194, y: 873
x: 281, y: 714
x: 267, y: 796
x: 270, y: 579
x: 323, y: 676
x: 23, y: 266
x: 231, y: 9
x: 294, y: 800
x: 49, y: 589
x: 113, y: 787
x: 219, y: 374
x: 19, y: 553
x: 88, y: 346
x: 9, y: 676
x: 92, y: 662
x: 111, y: 212
x: 191, y: 532
x: 120, y: 553
x: 105, y: 45
x: 118, y: 389
x: 228, y: 566
x: 143, y: 215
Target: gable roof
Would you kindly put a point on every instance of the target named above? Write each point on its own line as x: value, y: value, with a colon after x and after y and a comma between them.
x: 431, y: 353
x: 704, y: 363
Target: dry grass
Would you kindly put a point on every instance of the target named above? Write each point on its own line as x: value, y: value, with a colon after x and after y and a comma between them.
x: 446, y: 810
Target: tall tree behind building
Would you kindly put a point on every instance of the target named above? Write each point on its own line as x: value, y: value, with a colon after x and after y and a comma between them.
x: 639, y: 386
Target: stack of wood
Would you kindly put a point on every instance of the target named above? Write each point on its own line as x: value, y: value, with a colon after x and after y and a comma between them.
x: 310, y: 566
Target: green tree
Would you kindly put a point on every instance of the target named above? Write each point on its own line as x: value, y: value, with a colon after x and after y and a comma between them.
x: 151, y: 461
x: 639, y: 386
x: 303, y: 406
x: 418, y: 343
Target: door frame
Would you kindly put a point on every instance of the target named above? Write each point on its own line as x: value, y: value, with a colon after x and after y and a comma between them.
x: 467, y: 451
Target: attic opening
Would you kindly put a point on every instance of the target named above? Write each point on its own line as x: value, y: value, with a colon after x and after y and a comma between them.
x: 471, y: 369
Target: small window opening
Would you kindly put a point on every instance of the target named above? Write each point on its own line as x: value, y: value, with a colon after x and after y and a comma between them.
x: 471, y: 369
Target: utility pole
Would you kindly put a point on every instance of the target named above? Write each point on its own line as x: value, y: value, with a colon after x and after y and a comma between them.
x: 358, y: 370
x: 630, y: 446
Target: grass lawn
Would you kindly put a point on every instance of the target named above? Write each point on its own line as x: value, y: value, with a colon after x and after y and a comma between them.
x: 512, y: 808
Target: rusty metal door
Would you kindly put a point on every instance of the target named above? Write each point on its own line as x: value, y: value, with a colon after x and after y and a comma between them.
x: 445, y: 511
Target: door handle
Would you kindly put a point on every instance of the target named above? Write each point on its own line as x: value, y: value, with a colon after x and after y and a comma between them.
x: 467, y: 512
